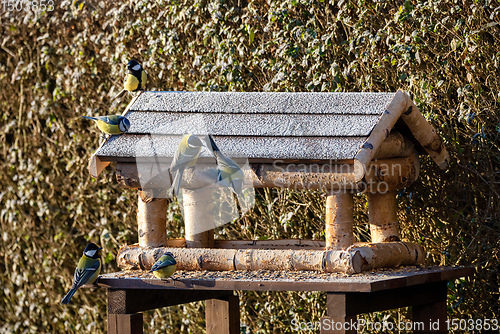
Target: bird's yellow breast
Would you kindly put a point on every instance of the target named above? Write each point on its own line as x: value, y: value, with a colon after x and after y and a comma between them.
x: 131, y: 83
x: 165, y: 272
x: 112, y: 129
x: 86, y: 262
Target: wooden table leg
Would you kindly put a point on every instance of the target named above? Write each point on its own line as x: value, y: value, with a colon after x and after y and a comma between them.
x: 222, y: 315
x: 431, y: 318
x: 124, y: 305
x: 339, y: 319
x: 428, y: 302
x: 125, y: 323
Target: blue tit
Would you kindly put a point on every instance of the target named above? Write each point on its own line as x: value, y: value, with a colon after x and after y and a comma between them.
x: 136, y: 78
x: 229, y: 174
x: 186, y: 156
x: 165, y: 266
x: 112, y: 124
x: 87, y: 271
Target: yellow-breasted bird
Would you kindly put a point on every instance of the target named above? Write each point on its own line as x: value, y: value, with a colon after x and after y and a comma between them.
x: 229, y: 172
x: 111, y: 124
x: 186, y: 156
x: 87, y: 271
x: 136, y: 79
x: 165, y: 266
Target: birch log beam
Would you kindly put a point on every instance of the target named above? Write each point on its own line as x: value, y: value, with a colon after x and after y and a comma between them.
x: 339, y: 220
x: 151, y: 221
x: 389, y: 254
x: 352, y: 260
x: 312, y: 176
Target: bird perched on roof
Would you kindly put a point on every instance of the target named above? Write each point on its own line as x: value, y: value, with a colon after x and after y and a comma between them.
x: 165, y: 266
x: 136, y: 79
x: 186, y: 156
x: 111, y: 124
x: 229, y: 173
x: 87, y: 270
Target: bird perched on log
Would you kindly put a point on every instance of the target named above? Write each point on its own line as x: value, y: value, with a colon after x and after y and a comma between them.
x: 87, y: 270
x: 111, y: 124
x: 186, y: 156
x: 136, y: 79
x: 165, y: 266
x: 229, y: 173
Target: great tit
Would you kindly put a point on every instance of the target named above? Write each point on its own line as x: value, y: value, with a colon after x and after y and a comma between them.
x: 87, y: 271
x: 136, y: 79
x: 186, y: 156
x: 112, y: 124
x: 165, y: 266
x: 229, y: 174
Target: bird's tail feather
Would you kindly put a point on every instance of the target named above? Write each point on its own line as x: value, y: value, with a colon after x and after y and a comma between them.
x: 176, y: 184
x: 88, y: 117
x: 68, y: 296
x: 212, y: 144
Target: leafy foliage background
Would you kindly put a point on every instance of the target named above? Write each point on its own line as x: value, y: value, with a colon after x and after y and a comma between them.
x: 58, y: 65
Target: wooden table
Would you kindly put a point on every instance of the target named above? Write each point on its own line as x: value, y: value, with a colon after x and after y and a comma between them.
x: 130, y: 293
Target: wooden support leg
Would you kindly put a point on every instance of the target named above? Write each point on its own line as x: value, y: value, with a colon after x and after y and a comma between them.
x: 124, y: 305
x: 428, y: 302
x: 382, y: 216
x: 339, y: 220
x: 223, y: 315
x: 125, y: 323
x: 432, y: 316
x: 340, y: 320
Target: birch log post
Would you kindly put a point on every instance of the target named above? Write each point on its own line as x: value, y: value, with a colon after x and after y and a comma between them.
x: 198, y: 217
x: 152, y: 220
x: 339, y: 220
x: 382, y: 216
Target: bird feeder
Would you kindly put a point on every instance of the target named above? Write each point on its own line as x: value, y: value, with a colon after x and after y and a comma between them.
x: 344, y: 143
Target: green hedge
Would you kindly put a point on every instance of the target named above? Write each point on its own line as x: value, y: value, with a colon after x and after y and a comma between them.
x: 58, y: 65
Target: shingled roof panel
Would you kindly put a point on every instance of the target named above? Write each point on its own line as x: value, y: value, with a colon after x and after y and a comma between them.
x: 271, y: 126
x: 280, y: 125
x: 162, y: 147
x: 267, y: 103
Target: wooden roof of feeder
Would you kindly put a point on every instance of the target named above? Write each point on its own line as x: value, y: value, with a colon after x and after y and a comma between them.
x: 352, y: 128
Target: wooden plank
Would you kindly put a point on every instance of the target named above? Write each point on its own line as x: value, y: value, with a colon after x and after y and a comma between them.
x: 447, y: 275
x: 125, y: 323
x: 355, y: 283
x: 223, y: 315
x: 240, y: 284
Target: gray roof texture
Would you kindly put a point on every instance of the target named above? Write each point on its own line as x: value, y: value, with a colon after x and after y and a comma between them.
x: 265, y: 127
x: 257, y: 126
